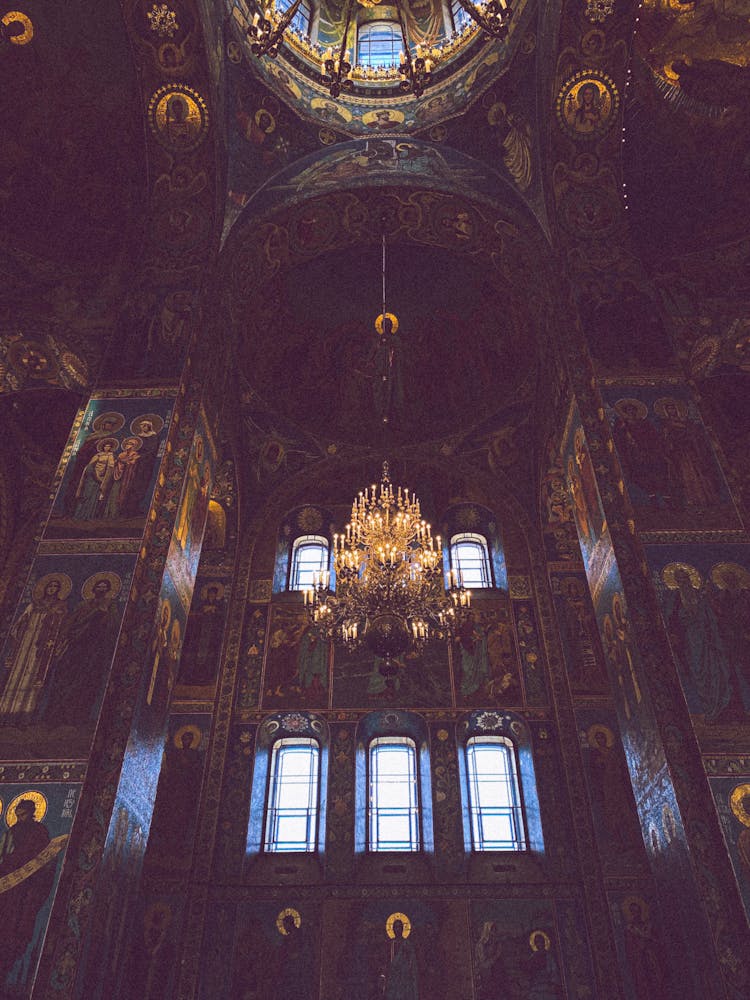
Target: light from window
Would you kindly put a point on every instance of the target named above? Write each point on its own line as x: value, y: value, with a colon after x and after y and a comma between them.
x: 309, y: 556
x: 379, y: 44
x: 292, y: 812
x: 394, y: 795
x: 494, y: 797
x: 301, y: 20
x: 469, y: 555
x: 459, y: 15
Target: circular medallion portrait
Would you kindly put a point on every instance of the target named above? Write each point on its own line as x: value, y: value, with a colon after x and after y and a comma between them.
x: 587, y: 104
x: 178, y: 118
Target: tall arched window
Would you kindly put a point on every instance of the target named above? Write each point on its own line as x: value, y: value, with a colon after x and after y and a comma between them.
x: 394, y: 800
x: 470, y: 556
x: 495, y: 807
x: 379, y: 44
x: 302, y: 19
x: 458, y: 15
x: 310, y: 555
x: 293, y: 796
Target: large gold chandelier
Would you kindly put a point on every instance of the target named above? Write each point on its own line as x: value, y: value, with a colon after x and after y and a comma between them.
x: 389, y: 578
x: 389, y: 591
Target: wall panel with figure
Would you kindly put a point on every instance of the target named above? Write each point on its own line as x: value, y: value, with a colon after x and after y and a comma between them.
x: 110, y: 475
x: 704, y: 592
x: 35, y: 820
x: 669, y: 465
x: 57, y: 657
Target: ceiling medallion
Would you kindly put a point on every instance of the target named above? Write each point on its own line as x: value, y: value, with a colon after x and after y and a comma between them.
x: 178, y: 117
x: 389, y: 592
x: 587, y: 104
x: 163, y: 21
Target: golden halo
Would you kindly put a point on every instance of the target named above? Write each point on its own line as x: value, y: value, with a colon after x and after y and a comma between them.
x: 640, y: 903
x: 599, y: 728
x: 392, y: 920
x: 188, y: 729
x: 28, y: 28
x: 720, y: 571
x: 164, y: 604
x: 660, y: 404
x: 668, y: 575
x: 176, y: 632
x: 66, y: 585
x: 637, y: 404
x: 115, y: 584
x: 379, y: 323
x: 102, y: 441
x: 737, y: 803
x: 288, y: 912
x: 536, y: 934
x: 118, y: 418
x: 157, y: 422
x: 136, y: 442
x: 40, y: 807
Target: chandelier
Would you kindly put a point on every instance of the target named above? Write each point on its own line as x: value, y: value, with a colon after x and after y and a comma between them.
x: 389, y: 591
x: 389, y: 578
x: 269, y: 25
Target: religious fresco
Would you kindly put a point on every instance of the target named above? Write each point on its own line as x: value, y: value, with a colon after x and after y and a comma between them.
x: 640, y: 947
x: 732, y: 798
x: 618, y: 831
x: 178, y: 794
x: 35, y: 821
x: 151, y: 969
x: 362, y: 680
x: 163, y: 654
x: 297, y: 662
x: 704, y: 593
x: 587, y: 104
x: 587, y: 507
x: 178, y: 117
x: 387, y: 947
x: 201, y: 651
x: 514, y: 950
x: 274, y: 953
x: 56, y: 659
x: 669, y: 465
x: 378, y: 161
x: 529, y: 647
x: 584, y: 656
x: 187, y: 538
x: 111, y: 472
x: 485, y: 657
x: 29, y: 362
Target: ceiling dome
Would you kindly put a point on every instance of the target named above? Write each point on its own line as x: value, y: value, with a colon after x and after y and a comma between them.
x: 468, y: 63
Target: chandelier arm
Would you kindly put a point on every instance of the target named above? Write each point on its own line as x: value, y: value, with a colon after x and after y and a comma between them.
x: 493, y: 20
x: 337, y: 72
x: 269, y: 45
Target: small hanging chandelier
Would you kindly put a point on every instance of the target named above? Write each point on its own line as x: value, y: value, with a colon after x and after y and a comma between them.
x: 388, y: 567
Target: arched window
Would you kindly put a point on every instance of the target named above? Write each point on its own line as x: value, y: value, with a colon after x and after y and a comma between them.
x: 379, y: 44
x: 495, y: 809
x: 458, y: 15
x: 293, y: 796
x: 470, y: 556
x: 394, y: 800
x: 302, y: 19
x: 310, y: 555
